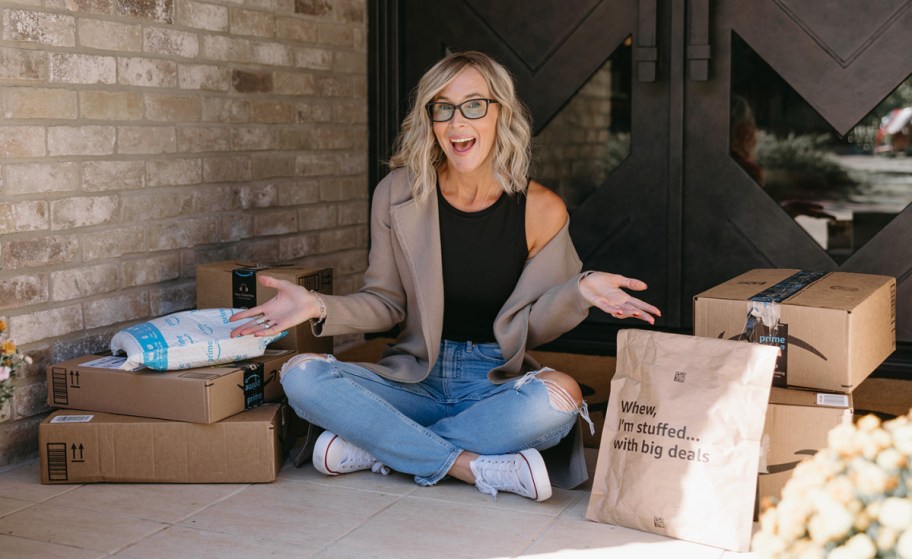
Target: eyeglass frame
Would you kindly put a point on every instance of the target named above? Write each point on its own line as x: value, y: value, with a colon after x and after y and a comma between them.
x: 430, y: 107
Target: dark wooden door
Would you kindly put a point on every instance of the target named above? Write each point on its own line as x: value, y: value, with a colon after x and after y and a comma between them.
x: 678, y: 212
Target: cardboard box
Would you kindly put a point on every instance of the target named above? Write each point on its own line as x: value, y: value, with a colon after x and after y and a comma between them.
x: 833, y: 328
x: 202, y: 395
x: 797, y: 424
x: 77, y: 446
x: 233, y: 284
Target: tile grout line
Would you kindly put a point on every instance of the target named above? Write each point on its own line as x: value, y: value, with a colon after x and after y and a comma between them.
x: 326, y: 548
x: 66, y: 545
x: 547, y: 528
x: 175, y: 523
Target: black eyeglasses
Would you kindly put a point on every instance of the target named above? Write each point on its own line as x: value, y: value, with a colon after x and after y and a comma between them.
x: 472, y: 109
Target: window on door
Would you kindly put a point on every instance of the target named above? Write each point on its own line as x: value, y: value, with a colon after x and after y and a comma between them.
x: 842, y: 190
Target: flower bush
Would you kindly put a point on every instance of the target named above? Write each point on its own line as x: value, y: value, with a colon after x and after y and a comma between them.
x: 10, y: 360
x: 851, y: 500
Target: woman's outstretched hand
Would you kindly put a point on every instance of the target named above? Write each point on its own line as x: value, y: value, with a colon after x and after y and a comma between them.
x: 292, y: 305
x: 606, y: 291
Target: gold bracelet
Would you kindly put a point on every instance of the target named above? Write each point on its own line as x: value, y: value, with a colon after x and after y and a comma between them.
x: 322, y: 307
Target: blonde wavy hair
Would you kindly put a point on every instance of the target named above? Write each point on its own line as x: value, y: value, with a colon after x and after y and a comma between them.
x: 417, y: 148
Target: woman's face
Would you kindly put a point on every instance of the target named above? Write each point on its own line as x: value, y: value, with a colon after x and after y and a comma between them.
x: 467, y: 143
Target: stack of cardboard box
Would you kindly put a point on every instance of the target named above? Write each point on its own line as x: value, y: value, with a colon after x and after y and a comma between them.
x: 833, y: 329
x: 223, y: 424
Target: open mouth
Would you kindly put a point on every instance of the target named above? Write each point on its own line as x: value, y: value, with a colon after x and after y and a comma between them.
x: 462, y: 145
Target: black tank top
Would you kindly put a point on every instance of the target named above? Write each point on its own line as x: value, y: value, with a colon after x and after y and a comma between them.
x: 483, y: 255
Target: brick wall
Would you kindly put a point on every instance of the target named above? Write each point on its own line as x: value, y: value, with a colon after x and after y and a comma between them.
x: 139, y: 138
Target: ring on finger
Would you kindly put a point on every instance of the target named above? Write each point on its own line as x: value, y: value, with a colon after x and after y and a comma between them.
x: 266, y: 325
x: 261, y: 320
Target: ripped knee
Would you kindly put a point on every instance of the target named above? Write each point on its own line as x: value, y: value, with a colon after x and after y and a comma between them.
x: 559, y: 397
x: 302, y: 359
x: 565, y: 394
x: 563, y: 391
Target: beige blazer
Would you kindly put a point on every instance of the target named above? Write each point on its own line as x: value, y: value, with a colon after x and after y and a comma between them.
x: 404, y: 285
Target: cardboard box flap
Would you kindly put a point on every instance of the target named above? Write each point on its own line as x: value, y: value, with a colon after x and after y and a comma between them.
x: 230, y: 265
x: 839, y: 290
x: 834, y: 290
x: 748, y: 284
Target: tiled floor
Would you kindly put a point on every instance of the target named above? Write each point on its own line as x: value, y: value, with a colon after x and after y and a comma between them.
x: 307, y: 515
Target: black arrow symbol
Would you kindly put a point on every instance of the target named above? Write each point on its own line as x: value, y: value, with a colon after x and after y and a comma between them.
x: 81, y: 450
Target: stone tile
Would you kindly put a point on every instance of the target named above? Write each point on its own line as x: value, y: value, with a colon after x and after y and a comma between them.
x: 580, y: 538
x: 302, y: 513
x: 24, y: 483
x: 21, y: 548
x: 453, y: 491
x: 306, y: 514
x: 12, y: 505
x: 186, y: 542
x: 393, y: 484
x: 160, y: 502
x: 75, y: 527
x: 337, y: 554
x: 441, y: 529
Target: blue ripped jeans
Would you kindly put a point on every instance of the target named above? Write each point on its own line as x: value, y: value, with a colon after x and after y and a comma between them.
x: 421, y: 428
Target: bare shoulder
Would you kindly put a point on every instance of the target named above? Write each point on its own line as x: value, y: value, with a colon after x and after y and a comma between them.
x: 546, y: 214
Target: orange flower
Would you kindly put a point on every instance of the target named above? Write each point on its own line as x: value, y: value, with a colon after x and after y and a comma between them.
x: 8, y: 347
x: 2, y: 326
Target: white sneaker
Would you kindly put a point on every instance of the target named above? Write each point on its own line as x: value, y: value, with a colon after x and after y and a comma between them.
x: 523, y: 473
x: 333, y: 455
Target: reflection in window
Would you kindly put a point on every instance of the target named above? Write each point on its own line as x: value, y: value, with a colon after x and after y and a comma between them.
x: 590, y: 136
x: 841, y: 190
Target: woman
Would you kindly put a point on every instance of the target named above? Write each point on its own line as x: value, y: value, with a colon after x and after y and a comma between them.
x: 475, y: 264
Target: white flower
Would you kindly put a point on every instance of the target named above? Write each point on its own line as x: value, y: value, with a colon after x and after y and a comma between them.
x: 868, y: 423
x: 841, y: 439
x: 852, y: 500
x: 869, y: 479
x: 859, y: 546
x: 902, y: 439
x: 832, y: 521
x: 768, y: 545
x: 5, y: 373
x: 841, y: 489
x: 891, y: 459
x: 886, y: 539
x: 904, y: 545
x: 896, y: 513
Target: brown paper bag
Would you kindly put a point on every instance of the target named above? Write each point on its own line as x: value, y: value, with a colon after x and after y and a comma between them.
x: 681, y: 442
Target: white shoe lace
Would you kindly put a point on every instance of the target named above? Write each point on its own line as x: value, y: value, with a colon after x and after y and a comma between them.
x: 362, y: 458
x: 493, y: 474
